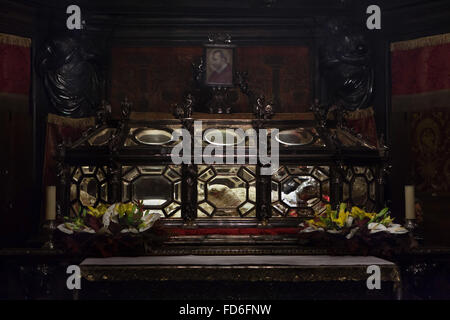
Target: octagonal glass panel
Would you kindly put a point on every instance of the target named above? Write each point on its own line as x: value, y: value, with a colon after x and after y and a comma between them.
x: 88, y: 187
x: 158, y: 187
x: 226, y: 191
x: 154, y: 191
x: 359, y: 188
x: 300, y: 190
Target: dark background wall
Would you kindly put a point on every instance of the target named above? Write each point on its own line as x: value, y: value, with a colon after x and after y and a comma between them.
x: 155, y: 78
x: 16, y: 130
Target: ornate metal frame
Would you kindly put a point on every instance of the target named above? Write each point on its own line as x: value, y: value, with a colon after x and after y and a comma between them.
x: 114, y: 154
x: 226, y: 46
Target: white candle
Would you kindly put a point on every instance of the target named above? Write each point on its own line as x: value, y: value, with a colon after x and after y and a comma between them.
x: 410, y: 203
x: 50, y: 203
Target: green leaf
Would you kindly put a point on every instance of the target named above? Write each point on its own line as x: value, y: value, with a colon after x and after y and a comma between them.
x: 334, y: 214
x: 129, y: 219
x: 133, y: 209
x: 141, y: 225
x: 382, y: 213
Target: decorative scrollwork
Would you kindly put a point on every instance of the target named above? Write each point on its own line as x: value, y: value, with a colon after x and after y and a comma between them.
x: 242, y: 82
x: 269, y: 3
x: 320, y: 113
x: 385, y: 171
x: 219, y: 37
x: 103, y: 113
x: 190, y: 193
x: 114, y: 173
x: 186, y: 109
x: 126, y: 108
x: 117, y: 138
x: 264, y: 208
x: 339, y: 113
x: 198, y: 70
x: 261, y: 108
x: 62, y: 175
x: 220, y: 101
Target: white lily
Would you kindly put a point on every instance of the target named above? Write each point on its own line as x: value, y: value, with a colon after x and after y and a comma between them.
x: 375, y: 227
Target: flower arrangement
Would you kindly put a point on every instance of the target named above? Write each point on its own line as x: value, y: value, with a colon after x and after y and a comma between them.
x: 119, y: 217
x: 349, y: 222
x: 349, y: 231
x: 118, y: 229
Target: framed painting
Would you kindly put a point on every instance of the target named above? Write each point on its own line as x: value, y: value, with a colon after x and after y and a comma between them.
x: 219, y: 65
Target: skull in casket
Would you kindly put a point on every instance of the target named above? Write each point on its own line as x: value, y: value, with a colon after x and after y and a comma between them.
x: 309, y: 189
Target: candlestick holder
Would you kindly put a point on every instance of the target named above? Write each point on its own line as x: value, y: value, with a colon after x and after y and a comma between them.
x: 411, y: 225
x: 414, y: 229
x: 48, y: 230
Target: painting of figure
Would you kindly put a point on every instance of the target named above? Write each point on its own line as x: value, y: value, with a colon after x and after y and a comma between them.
x: 219, y: 66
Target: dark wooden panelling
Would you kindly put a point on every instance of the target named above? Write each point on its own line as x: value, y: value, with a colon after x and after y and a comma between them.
x: 436, y: 218
x: 16, y: 169
x: 155, y: 78
x: 17, y: 131
x: 16, y: 18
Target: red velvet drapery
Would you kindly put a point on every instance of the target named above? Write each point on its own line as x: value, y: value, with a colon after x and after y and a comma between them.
x: 232, y: 231
x: 421, y: 87
x: 363, y: 122
x: 16, y: 138
x: 14, y: 65
x: 61, y: 129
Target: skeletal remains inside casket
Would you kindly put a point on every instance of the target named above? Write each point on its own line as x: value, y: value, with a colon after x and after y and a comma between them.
x: 298, y: 194
x: 223, y: 196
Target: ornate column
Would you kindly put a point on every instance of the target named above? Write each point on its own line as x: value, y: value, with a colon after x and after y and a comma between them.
x: 114, y: 176
x: 263, y: 198
x: 188, y: 171
x: 62, y: 190
x: 189, y: 195
x: 383, y: 171
x: 336, y: 184
x: 114, y: 145
x: 263, y: 182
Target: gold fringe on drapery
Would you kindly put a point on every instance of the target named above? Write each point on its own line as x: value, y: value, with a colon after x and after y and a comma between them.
x: 360, y: 114
x: 421, y: 42
x: 81, y: 123
x: 14, y: 40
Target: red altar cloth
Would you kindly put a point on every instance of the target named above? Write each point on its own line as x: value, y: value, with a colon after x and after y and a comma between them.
x: 232, y: 231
